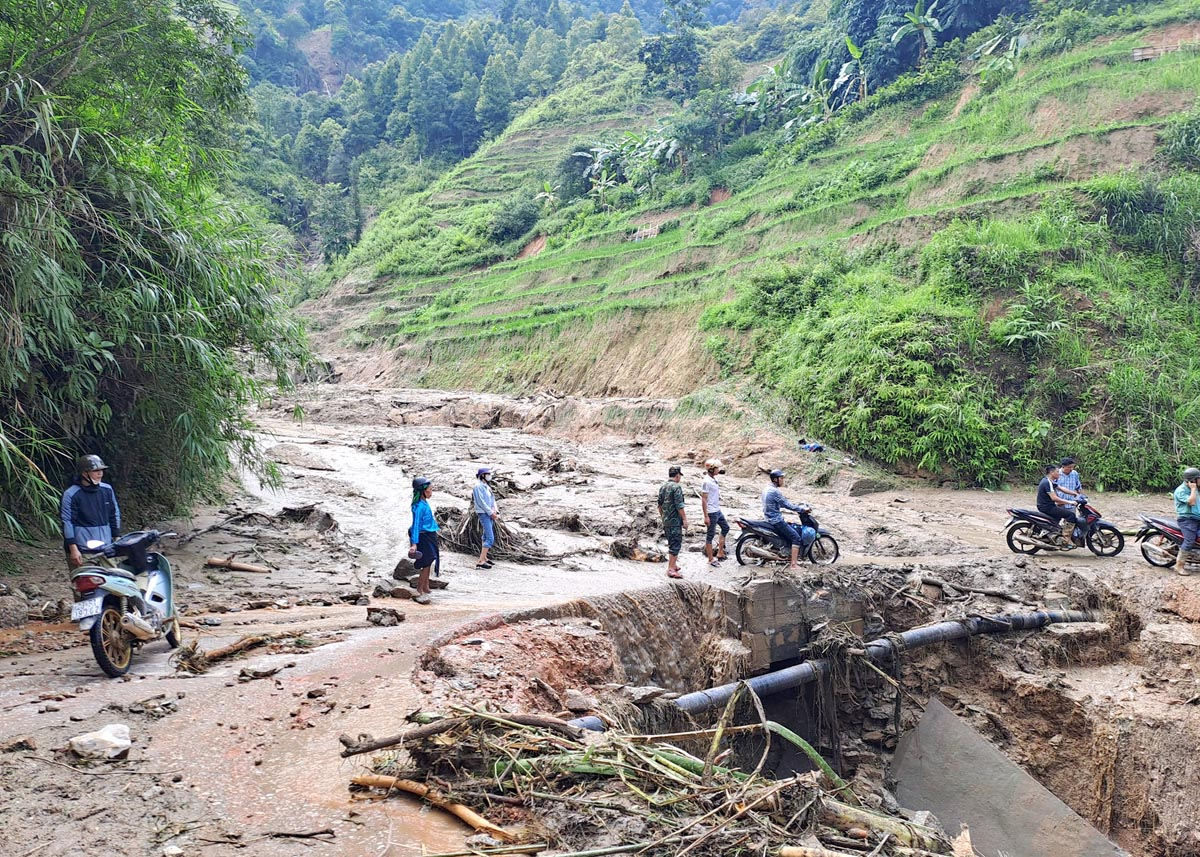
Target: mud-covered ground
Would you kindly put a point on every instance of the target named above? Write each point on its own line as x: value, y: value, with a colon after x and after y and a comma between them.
x: 227, y: 762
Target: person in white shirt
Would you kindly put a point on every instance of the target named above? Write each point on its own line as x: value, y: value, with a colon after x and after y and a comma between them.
x: 484, y: 502
x: 714, y: 518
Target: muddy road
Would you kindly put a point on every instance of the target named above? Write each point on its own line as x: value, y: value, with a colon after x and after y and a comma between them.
x: 244, y: 758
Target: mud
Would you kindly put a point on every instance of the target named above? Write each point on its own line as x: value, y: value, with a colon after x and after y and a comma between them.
x: 1106, y: 717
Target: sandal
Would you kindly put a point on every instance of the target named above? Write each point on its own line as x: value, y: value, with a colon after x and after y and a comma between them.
x: 422, y: 599
x: 716, y: 563
x: 674, y: 574
x: 484, y: 565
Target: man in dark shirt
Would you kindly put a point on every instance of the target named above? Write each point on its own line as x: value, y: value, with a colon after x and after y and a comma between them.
x: 1053, y: 506
x: 674, y: 518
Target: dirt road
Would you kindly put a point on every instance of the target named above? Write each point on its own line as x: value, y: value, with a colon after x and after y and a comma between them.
x: 224, y: 763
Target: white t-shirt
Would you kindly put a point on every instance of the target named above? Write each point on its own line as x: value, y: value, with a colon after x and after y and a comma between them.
x: 712, y: 491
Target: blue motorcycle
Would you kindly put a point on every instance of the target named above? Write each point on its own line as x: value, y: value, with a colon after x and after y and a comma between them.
x: 760, y: 544
x: 125, y: 598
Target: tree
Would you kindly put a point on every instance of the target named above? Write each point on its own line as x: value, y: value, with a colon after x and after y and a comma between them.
x: 495, y: 96
x: 130, y: 293
x: 920, y: 22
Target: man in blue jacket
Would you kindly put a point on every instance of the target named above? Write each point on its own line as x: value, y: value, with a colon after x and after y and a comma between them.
x: 89, y: 510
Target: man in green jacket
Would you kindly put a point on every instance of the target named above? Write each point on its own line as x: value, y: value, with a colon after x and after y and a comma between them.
x: 674, y: 518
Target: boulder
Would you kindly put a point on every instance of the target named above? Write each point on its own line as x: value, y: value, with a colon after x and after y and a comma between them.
x: 13, y: 611
x: 384, y: 616
x: 867, y: 485
x: 111, y: 742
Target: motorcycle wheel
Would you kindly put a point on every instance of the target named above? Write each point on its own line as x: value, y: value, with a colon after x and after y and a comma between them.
x: 823, y: 551
x: 1161, y: 542
x: 1023, y: 528
x: 174, y: 632
x: 1105, y: 541
x: 739, y: 550
x: 110, y: 644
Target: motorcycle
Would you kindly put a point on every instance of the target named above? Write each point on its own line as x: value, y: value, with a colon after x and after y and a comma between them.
x: 1029, y: 531
x: 125, y: 598
x: 760, y: 544
x: 1160, y: 541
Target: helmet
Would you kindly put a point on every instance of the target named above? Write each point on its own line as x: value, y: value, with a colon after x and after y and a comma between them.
x: 421, y: 483
x: 85, y: 463
x: 777, y: 474
x: 713, y: 462
x: 1191, y: 473
x: 483, y: 471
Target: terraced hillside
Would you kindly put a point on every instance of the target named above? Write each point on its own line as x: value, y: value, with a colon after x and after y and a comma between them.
x: 613, y: 304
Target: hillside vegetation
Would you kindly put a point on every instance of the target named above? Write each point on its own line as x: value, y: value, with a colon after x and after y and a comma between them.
x: 957, y: 276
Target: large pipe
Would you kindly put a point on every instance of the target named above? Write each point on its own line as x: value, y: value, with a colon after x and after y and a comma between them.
x: 877, y: 650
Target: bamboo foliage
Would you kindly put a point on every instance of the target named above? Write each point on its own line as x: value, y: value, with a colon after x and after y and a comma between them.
x: 131, y: 294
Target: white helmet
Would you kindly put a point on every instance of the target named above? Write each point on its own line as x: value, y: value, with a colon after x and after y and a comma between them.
x: 713, y: 462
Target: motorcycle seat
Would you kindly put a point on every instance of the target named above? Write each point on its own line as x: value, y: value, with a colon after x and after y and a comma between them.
x: 1165, y: 526
x: 1035, y: 515
x: 121, y: 572
x: 762, y: 525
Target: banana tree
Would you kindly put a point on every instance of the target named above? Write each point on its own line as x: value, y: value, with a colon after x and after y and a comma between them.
x: 920, y: 21
x: 853, y: 75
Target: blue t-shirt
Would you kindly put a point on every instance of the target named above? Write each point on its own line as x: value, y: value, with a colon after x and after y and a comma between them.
x: 423, y: 521
x: 1182, y: 509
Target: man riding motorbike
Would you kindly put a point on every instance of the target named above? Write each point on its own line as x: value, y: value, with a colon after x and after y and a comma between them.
x: 1055, y: 507
x: 772, y: 501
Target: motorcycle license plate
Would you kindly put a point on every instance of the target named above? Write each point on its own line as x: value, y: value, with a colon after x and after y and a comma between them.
x: 86, y: 609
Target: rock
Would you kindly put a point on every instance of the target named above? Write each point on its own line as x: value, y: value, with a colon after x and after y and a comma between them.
x: 111, y: 742
x: 404, y: 568
x: 578, y: 702
x: 172, y: 851
x: 434, y: 582
x: 12, y: 611
x: 316, y: 693
x: 384, y: 616
x: 15, y: 745
x: 867, y: 485
x: 211, y: 621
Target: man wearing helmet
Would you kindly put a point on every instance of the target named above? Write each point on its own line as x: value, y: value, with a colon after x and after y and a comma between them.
x: 710, y: 507
x: 772, y: 501
x: 89, y: 510
x: 484, y: 501
x: 1187, y: 509
x: 423, y: 536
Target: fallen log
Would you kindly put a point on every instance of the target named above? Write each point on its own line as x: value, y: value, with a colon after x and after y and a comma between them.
x: 190, y: 658
x: 843, y: 816
x: 433, y: 796
x: 234, y: 565
x: 365, y: 744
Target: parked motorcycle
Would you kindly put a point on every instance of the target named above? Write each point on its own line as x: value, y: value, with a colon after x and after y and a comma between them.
x: 125, y: 598
x: 1160, y: 540
x: 1029, y: 531
x: 760, y: 544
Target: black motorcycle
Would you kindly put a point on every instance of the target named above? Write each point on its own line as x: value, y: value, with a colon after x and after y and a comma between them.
x: 1161, y: 540
x: 1029, y: 531
x: 760, y: 544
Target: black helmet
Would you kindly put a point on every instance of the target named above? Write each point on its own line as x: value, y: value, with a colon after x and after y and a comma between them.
x: 777, y: 474
x: 86, y: 463
x: 420, y: 483
x: 1191, y: 473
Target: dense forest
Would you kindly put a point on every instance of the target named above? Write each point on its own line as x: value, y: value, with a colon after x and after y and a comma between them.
x: 174, y: 173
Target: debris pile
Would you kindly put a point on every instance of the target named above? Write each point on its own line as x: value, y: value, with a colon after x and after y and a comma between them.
x: 539, y: 781
x: 462, y: 533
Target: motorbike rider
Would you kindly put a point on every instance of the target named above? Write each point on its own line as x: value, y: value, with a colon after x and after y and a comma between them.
x: 1055, y: 507
x: 1187, y: 510
x: 88, y: 510
x: 772, y: 501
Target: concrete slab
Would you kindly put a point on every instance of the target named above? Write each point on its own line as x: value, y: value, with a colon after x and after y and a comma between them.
x: 946, y: 766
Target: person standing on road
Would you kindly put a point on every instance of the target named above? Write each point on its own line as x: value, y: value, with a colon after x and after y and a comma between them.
x: 484, y: 501
x: 1187, y: 510
x: 88, y: 510
x: 674, y: 517
x: 423, y: 537
x: 714, y: 518
x: 1068, y: 485
x: 772, y: 501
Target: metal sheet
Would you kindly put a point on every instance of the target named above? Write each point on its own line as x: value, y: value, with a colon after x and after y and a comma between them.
x: 947, y: 767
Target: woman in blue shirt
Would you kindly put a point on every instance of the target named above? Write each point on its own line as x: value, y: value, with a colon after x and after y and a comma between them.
x: 423, y: 536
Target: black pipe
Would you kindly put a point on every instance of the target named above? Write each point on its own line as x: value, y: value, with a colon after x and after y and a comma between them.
x: 877, y: 650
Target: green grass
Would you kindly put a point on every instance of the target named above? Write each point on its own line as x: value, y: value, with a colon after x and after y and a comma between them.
x: 910, y: 225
